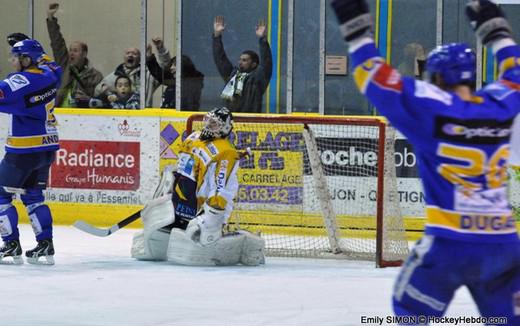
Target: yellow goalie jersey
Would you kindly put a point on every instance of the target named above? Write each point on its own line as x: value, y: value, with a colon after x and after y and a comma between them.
x: 206, y: 172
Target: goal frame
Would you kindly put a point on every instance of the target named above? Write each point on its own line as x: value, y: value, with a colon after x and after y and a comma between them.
x: 309, y: 120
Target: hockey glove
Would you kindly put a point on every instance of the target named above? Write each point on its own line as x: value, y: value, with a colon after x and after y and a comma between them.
x: 488, y: 21
x: 354, y: 18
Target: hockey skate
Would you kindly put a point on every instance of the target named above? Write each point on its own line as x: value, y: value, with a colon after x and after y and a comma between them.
x: 44, y: 249
x: 11, y: 248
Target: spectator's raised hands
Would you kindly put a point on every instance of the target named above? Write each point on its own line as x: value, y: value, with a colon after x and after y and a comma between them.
x: 219, y: 26
x: 149, y: 52
x: 261, y: 28
x: 158, y: 43
x: 53, y: 9
x: 81, y: 98
x: 112, y: 98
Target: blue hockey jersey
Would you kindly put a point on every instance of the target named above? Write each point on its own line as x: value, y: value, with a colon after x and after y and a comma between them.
x: 29, y: 97
x: 462, y: 147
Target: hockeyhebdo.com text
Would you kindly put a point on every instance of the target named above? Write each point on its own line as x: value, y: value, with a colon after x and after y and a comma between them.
x: 427, y: 320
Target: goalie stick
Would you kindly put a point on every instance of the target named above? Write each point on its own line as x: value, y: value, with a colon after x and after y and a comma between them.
x: 89, y: 228
x: 100, y: 232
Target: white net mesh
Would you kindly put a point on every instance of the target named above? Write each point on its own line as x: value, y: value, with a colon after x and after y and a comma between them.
x: 315, y: 193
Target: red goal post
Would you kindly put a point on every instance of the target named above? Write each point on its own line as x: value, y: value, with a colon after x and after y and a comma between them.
x: 282, y: 187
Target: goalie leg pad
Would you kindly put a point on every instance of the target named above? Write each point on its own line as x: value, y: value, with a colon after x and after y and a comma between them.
x: 137, y: 251
x: 183, y: 251
x: 226, y: 251
x: 231, y: 249
x: 154, y: 247
x: 152, y: 242
x: 253, y: 249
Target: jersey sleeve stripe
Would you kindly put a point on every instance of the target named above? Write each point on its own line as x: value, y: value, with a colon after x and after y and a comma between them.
x: 364, y: 73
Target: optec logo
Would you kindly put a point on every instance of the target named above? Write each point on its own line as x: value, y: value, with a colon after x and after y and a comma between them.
x: 473, y: 131
x: 468, y: 133
x: 124, y: 130
x: 42, y: 97
x: 453, y: 129
x: 97, y: 165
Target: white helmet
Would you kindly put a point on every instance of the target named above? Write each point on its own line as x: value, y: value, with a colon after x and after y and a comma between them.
x: 218, y: 123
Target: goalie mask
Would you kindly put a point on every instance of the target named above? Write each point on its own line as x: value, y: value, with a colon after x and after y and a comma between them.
x: 454, y: 62
x: 218, y: 123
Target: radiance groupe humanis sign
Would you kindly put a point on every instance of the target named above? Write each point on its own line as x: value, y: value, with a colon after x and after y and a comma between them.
x: 105, y: 165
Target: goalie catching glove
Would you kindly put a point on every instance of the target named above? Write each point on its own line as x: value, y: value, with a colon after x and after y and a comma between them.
x: 488, y: 21
x: 354, y: 18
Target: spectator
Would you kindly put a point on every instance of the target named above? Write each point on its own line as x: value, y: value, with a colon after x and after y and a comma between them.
x: 414, y: 60
x: 79, y: 78
x: 124, y: 98
x: 192, y: 80
x: 131, y: 68
x: 245, y: 84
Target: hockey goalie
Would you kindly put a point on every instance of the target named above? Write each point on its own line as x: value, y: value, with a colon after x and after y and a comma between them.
x: 183, y: 223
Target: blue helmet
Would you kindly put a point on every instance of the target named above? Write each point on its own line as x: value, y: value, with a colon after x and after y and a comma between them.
x: 29, y: 48
x: 454, y: 62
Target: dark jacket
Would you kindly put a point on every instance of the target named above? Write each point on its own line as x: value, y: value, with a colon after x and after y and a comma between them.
x: 131, y: 103
x: 256, y: 81
x: 192, y: 83
x: 84, y: 80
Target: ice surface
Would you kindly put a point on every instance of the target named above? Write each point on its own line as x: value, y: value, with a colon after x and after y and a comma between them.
x: 95, y: 282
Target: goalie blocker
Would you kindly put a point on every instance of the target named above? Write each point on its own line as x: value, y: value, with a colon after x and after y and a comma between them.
x: 158, y: 242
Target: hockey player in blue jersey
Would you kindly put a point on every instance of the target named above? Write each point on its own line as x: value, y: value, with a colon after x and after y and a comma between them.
x: 461, y: 140
x: 28, y: 96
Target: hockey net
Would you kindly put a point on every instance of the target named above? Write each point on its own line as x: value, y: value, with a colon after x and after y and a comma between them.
x: 314, y: 187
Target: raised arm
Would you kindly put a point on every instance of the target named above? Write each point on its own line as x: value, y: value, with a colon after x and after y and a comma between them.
x: 162, y: 75
x: 163, y: 55
x: 493, y: 30
x: 58, y: 45
x: 382, y: 84
x: 266, y: 55
x: 224, y: 66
